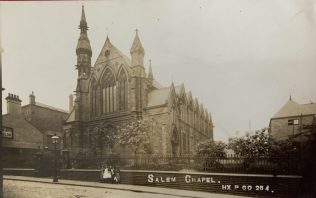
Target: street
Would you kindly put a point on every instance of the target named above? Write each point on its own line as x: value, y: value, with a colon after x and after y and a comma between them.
x: 26, y: 189
x: 41, y: 189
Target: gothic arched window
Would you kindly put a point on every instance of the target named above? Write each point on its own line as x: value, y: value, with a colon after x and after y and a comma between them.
x: 108, y: 92
x: 123, y: 91
x: 93, y: 98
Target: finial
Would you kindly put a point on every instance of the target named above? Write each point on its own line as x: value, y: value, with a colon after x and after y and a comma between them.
x: 290, y: 96
x: 136, y: 31
x: 83, y: 17
x: 150, y: 72
x: 83, y: 23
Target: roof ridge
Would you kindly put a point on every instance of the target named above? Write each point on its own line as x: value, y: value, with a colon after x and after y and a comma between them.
x: 50, y: 107
x: 292, y: 108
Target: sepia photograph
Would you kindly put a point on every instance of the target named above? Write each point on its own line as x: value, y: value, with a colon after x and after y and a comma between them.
x: 148, y: 98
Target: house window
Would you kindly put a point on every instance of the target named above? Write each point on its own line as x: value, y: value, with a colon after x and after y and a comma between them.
x: 291, y: 122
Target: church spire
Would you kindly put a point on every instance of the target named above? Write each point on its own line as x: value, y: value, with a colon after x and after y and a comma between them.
x: 137, y: 51
x: 83, y: 23
x: 83, y: 49
x: 150, y: 72
x: 83, y: 42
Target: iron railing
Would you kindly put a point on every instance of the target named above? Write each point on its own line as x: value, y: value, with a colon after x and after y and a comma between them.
x: 205, y: 163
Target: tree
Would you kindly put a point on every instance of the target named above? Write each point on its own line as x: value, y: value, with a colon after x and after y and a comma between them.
x: 136, y: 135
x: 251, y: 146
x: 211, y: 148
x: 102, y: 136
x: 208, y: 153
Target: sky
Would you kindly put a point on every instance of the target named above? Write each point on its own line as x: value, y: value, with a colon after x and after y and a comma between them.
x: 242, y: 59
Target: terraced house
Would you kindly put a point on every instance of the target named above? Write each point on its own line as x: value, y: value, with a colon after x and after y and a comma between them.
x: 117, y: 89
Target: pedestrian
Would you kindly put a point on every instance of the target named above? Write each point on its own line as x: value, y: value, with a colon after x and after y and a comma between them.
x: 112, y: 174
x: 106, y: 177
x: 117, y: 175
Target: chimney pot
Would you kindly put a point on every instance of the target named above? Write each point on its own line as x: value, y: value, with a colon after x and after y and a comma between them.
x: 13, y: 104
x: 32, y: 98
x: 71, y: 102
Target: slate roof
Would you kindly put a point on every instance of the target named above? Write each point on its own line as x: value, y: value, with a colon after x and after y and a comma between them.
x: 158, y: 97
x: 311, y: 107
x: 292, y: 108
x: 71, y: 116
x: 157, y: 84
x: 50, y: 107
x: 25, y: 135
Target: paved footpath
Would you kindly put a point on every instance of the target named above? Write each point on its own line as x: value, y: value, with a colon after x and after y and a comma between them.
x: 32, y: 187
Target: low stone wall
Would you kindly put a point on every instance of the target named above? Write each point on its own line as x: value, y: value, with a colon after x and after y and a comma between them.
x: 19, y: 172
x: 238, y: 184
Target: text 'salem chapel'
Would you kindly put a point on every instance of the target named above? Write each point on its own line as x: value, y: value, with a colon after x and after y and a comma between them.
x: 117, y: 89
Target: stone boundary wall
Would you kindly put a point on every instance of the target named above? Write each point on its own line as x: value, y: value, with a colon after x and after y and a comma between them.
x: 252, y: 185
x: 238, y: 184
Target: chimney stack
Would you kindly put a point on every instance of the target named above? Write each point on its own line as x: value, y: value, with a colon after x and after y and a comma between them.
x: 13, y: 104
x: 71, y: 102
x: 32, y: 98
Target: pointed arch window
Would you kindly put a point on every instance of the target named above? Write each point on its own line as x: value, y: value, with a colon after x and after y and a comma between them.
x: 123, y: 91
x: 108, y: 92
x: 93, y: 98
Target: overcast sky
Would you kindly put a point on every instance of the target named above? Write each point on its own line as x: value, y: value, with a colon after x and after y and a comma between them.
x: 240, y: 58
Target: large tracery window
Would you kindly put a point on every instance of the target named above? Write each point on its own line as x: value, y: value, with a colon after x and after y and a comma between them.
x: 93, y: 98
x: 123, y: 93
x: 108, y: 92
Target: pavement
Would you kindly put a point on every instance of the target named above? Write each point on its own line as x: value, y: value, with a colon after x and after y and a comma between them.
x: 93, y: 189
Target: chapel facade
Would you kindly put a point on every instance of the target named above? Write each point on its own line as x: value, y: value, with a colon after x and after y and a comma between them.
x: 117, y: 89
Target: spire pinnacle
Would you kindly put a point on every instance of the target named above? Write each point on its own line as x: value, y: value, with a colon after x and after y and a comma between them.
x: 83, y: 16
x: 83, y: 41
x: 290, y: 96
x: 137, y: 45
x: 83, y: 22
x: 150, y: 72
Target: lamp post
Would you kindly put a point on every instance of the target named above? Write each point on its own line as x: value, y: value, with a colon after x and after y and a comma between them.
x: 55, y: 141
x: 1, y: 127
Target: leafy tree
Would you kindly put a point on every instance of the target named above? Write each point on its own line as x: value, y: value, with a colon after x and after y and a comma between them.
x: 211, y: 148
x: 251, y: 146
x: 136, y: 135
x: 102, y: 136
x: 284, y: 148
x: 208, y: 153
x: 107, y: 135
